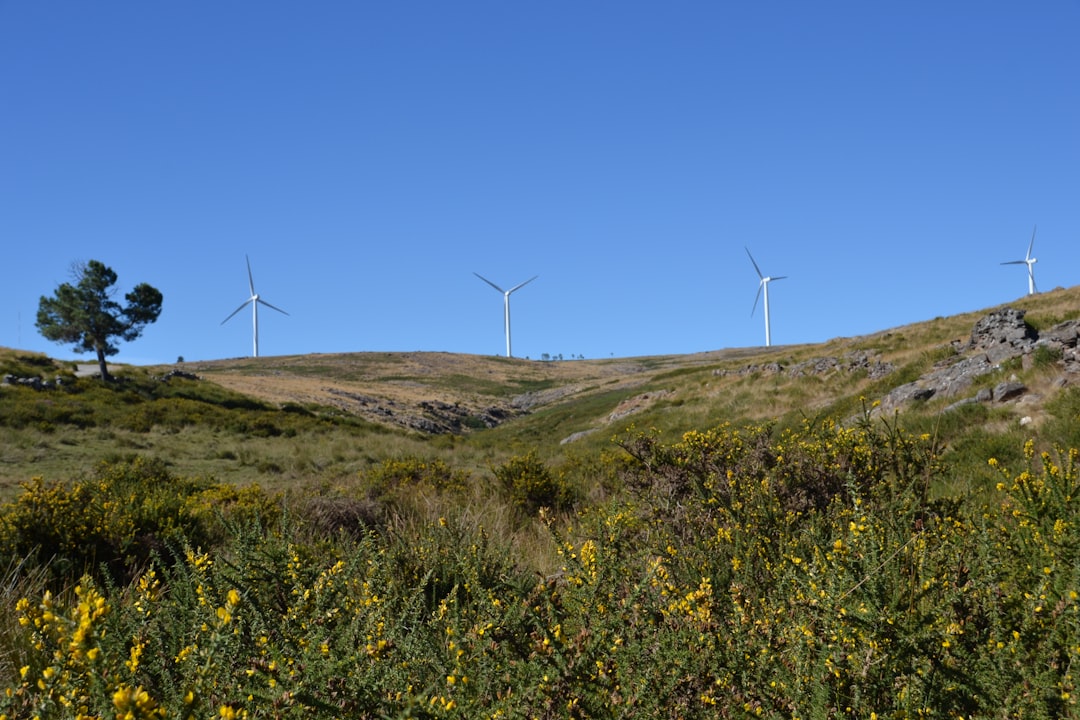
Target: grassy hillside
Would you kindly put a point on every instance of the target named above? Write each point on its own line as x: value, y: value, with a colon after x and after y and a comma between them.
x: 743, y: 533
x: 287, y: 421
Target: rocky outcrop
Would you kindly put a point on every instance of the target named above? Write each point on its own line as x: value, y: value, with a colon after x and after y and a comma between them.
x: 35, y: 382
x: 1002, y: 335
x: 1064, y: 338
x: 172, y: 374
x: 432, y: 417
x: 999, y: 336
x: 849, y: 363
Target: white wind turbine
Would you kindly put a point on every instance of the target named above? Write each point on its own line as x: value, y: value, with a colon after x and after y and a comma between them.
x: 1029, y: 261
x: 506, y: 303
x: 254, y: 300
x: 763, y: 287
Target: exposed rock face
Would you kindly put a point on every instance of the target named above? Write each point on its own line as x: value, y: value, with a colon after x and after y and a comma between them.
x: 1005, y: 391
x: 33, y: 381
x: 851, y: 362
x: 433, y: 417
x: 1066, y: 334
x: 1065, y: 338
x: 1002, y: 335
x: 178, y: 374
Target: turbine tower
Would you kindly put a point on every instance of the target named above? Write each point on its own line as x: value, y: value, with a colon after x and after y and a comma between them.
x: 254, y: 300
x: 1029, y: 261
x: 506, y: 303
x: 763, y: 288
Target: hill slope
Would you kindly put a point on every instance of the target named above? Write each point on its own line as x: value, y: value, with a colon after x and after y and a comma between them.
x: 280, y: 420
x: 440, y: 392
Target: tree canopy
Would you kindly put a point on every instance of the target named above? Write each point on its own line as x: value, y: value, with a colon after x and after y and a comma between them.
x: 86, y: 315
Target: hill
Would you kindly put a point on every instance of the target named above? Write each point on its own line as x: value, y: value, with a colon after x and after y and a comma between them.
x: 289, y: 419
x: 882, y: 524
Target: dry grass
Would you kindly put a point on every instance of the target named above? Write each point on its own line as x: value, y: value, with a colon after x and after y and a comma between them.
x: 544, y: 403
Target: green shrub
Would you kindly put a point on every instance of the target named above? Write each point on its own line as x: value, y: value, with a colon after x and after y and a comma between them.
x: 531, y: 485
x: 756, y: 572
x: 1065, y: 412
x: 111, y: 524
x: 29, y: 366
x: 410, y: 471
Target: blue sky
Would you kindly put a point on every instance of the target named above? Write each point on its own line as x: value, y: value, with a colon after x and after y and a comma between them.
x: 369, y: 157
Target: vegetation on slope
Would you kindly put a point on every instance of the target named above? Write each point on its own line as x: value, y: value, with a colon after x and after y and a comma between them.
x: 741, y: 574
x: 752, y: 543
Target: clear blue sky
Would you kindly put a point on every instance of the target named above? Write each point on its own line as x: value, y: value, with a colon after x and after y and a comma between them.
x: 370, y: 156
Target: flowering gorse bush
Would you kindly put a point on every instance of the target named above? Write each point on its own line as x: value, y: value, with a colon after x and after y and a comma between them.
x: 798, y: 574
x: 532, y: 485
x: 111, y: 524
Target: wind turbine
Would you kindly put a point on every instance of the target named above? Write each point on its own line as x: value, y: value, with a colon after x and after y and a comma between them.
x: 506, y: 303
x: 254, y: 300
x: 763, y: 287
x: 1029, y: 261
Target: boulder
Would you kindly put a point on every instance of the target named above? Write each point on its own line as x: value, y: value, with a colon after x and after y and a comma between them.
x: 997, y: 337
x: 1003, y: 334
x: 1065, y: 335
x: 1009, y: 390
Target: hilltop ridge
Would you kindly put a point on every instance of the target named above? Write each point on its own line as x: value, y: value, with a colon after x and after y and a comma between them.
x: 442, y: 392
x: 296, y: 418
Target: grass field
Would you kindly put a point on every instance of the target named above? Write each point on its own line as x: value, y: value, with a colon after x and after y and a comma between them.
x: 433, y: 535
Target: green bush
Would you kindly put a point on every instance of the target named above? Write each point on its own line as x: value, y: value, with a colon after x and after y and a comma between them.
x: 531, y: 485
x: 413, y: 472
x: 755, y: 573
x: 112, y: 524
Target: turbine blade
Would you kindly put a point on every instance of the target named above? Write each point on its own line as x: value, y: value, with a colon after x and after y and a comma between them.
x: 272, y: 307
x: 757, y: 297
x: 1031, y: 244
x: 522, y: 284
x: 778, y: 277
x: 756, y: 268
x: 251, y: 280
x: 236, y: 311
x: 489, y: 282
x: 1015, y: 262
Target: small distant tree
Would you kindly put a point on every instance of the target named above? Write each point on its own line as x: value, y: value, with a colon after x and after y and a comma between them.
x: 86, y: 315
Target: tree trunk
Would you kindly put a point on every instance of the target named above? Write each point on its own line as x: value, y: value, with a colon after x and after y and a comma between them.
x: 101, y: 364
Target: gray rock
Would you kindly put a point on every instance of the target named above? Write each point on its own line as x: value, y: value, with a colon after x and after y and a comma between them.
x: 1066, y: 334
x: 1005, y: 391
x: 905, y: 394
x: 960, y: 403
x: 999, y: 336
x: 1003, y: 332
